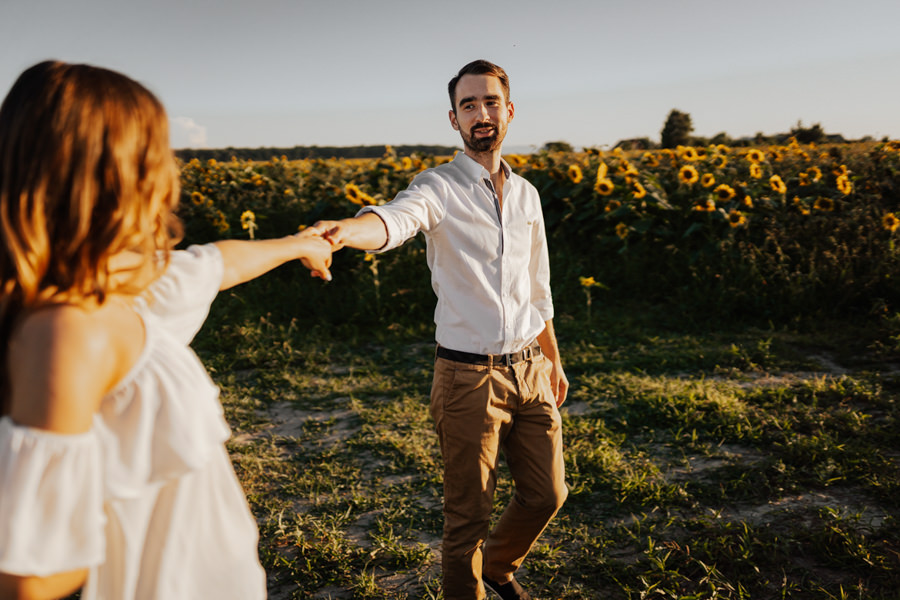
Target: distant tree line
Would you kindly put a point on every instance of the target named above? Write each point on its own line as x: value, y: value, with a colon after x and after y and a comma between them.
x: 678, y: 127
x: 307, y: 152
x: 676, y: 131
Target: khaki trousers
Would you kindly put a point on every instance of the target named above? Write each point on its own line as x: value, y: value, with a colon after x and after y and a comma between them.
x: 478, y: 411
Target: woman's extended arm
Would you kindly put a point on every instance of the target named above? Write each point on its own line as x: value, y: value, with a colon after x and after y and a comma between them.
x: 247, y: 259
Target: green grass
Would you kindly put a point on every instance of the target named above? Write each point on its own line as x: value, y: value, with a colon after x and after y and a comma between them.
x: 745, y: 462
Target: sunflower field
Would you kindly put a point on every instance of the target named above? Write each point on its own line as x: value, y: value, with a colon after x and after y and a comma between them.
x: 775, y: 233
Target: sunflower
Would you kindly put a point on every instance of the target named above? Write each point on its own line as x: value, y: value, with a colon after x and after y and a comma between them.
x: 220, y: 222
x: 725, y: 192
x: 248, y: 222
x: 801, y: 206
x: 604, y: 186
x: 803, y: 179
x: 890, y: 222
x: 626, y: 169
x: 587, y: 282
x: 747, y: 201
x: 516, y: 160
x: 688, y: 175
x: 824, y: 204
x: 650, y: 159
x: 639, y: 191
x: 777, y: 184
x: 755, y: 156
x: 736, y: 219
x: 755, y: 171
x: 688, y: 153
x: 612, y: 205
x: 708, y: 180
x: 814, y: 173
x: 602, y: 170
x: 708, y: 205
x: 622, y: 231
x: 719, y: 161
x: 575, y: 174
x: 357, y: 196
x: 197, y: 198
x: 844, y: 185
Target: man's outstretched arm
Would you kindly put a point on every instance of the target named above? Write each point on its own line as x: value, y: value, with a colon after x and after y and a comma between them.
x: 364, y: 232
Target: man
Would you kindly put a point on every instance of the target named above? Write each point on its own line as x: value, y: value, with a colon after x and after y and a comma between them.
x: 498, y: 379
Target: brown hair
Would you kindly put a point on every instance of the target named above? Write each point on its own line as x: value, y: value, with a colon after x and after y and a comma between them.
x: 86, y: 172
x: 478, y: 67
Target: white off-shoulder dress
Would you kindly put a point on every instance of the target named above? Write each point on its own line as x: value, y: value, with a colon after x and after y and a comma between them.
x: 148, y: 499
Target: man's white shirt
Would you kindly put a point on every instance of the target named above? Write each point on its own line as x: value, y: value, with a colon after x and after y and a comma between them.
x: 489, y: 268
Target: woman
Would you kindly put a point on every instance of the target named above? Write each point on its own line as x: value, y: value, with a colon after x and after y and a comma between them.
x: 113, y: 470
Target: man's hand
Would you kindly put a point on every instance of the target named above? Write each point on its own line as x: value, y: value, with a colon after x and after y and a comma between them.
x: 331, y: 231
x: 559, y: 383
x: 315, y: 253
x: 365, y: 232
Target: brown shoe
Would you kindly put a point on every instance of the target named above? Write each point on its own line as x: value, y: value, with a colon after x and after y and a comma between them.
x: 507, y: 591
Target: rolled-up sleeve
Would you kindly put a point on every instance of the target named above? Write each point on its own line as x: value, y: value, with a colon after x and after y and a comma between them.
x: 417, y: 208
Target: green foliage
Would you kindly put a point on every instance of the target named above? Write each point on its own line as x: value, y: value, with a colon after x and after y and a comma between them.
x: 558, y: 147
x: 306, y: 152
x: 677, y: 129
x: 777, y: 233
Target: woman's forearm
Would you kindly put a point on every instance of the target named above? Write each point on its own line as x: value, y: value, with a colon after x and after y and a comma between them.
x: 248, y: 259
x: 55, y: 586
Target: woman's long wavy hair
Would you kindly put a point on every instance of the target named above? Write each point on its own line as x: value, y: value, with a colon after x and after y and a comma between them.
x: 86, y: 172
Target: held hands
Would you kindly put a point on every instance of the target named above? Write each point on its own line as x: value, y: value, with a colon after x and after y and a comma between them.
x: 330, y: 231
x: 316, y: 253
x: 364, y: 232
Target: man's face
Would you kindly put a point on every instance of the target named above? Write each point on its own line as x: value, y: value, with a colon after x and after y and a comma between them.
x: 482, y: 112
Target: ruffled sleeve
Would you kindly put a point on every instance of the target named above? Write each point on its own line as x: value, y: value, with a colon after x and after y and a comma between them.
x: 51, y: 501
x: 181, y: 297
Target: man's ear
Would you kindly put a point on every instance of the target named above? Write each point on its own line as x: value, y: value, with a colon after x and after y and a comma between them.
x: 453, y: 122
x: 512, y: 110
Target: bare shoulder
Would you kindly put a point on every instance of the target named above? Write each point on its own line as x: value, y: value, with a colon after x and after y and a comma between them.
x: 63, y: 360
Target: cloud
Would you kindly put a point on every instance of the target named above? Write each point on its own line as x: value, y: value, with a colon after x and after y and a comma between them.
x: 193, y: 131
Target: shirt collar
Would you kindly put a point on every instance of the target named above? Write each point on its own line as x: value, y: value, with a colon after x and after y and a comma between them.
x: 473, y: 168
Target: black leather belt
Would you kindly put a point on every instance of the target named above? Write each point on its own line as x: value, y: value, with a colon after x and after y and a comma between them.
x: 490, y: 360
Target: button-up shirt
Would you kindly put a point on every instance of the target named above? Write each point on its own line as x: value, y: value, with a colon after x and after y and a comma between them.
x: 489, y: 267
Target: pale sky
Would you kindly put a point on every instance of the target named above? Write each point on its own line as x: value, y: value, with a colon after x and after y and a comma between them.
x: 588, y: 72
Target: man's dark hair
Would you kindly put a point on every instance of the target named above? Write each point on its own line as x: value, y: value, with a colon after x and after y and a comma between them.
x: 478, y: 67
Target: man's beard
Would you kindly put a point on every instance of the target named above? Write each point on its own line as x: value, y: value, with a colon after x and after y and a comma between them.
x: 482, y: 144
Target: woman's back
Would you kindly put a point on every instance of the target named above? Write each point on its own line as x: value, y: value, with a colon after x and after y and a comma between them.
x: 152, y: 463
x: 86, y: 348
